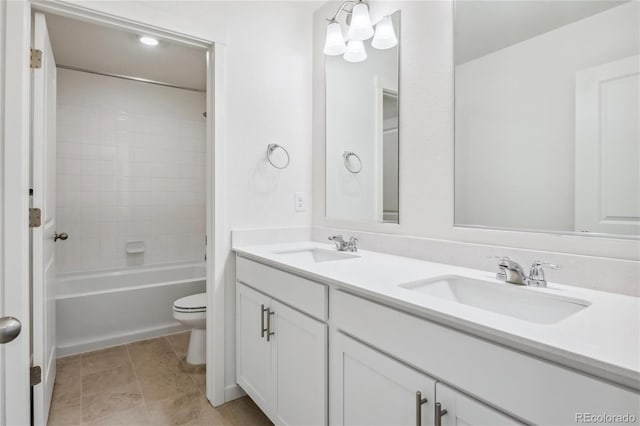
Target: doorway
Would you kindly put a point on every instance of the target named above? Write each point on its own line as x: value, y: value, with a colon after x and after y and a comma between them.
x: 17, y: 351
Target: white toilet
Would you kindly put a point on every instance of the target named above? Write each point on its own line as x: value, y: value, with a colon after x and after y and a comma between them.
x: 192, y: 312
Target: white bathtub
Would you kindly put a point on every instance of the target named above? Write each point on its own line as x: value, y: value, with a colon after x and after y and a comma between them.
x: 98, y: 310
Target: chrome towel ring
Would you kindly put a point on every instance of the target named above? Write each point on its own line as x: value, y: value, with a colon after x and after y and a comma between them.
x: 270, y: 149
x: 347, y: 162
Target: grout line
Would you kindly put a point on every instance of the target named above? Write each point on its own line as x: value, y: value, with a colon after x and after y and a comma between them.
x: 135, y: 373
x: 180, y: 360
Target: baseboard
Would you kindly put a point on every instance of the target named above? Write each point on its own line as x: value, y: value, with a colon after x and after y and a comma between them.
x: 233, y: 392
x: 115, y: 340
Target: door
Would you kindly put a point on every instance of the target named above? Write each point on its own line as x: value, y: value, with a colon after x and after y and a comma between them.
x: 253, y: 351
x: 370, y: 388
x: 607, y: 148
x: 462, y: 410
x: 43, y: 250
x: 299, y: 364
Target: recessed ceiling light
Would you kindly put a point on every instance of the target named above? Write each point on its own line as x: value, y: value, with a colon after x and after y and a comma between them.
x: 148, y: 41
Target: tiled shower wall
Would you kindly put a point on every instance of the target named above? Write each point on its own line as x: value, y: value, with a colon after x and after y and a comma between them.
x: 130, y: 167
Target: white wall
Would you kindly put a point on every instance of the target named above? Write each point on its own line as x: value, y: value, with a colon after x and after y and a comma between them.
x: 426, y: 140
x: 516, y: 119
x: 354, y: 111
x: 130, y: 167
x: 268, y: 90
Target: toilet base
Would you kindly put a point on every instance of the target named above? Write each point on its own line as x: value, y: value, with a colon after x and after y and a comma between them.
x: 197, y: 353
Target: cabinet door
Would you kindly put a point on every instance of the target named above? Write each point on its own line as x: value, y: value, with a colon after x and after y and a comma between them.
x: 299, y: 365
x: 370, y: 388
x: 253, y: 352
x: 463, y: 410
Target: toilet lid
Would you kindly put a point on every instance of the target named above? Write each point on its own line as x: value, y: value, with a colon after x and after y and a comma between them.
x: 195, y: 302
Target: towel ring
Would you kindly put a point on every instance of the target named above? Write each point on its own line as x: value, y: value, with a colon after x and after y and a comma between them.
x: 347, y: 163
x: 272, y: 147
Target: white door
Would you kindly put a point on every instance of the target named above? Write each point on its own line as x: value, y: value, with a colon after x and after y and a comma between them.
x: 253, y: 351
x: 299, y: 366
x: 462, y: 410
x: 607, y: 148
x: 43, y: 250
x: 370, y: 388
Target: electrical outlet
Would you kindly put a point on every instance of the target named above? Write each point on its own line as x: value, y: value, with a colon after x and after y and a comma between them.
x: 299, y: 202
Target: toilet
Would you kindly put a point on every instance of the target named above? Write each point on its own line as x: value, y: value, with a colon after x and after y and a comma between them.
x: 192, y: 312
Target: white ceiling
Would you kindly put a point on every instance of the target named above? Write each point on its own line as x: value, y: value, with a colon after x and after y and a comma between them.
x: 485, y: 26
x: 113, y: 51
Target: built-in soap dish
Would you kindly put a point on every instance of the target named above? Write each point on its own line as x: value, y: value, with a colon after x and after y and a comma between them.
x: 135, y: 247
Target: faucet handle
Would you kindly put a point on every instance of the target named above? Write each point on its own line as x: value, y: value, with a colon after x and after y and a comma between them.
x: 536, y: 273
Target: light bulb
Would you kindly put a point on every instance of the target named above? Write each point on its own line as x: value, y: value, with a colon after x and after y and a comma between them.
x: 361, y: 28
x: 334, y: 42
x: 385, y: 36
x: 355, y: 51
x: 148, y: 41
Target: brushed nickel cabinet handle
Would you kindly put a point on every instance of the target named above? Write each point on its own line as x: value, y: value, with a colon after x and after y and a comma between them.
x: 262, y: 311
x: 439, y: 413
x: 419, y: 401
x: 269, y: 332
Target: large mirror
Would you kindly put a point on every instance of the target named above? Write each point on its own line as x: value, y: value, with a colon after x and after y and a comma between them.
x: 362, y: 133
x: 546, y: 116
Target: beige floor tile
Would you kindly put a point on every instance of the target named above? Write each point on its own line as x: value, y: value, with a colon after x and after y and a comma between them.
x: 154, y: 364
x: 137, y: 416
x: 106, y: 359
x: 179, y: 410
x: 69, y: 414
x: 200, y: 380
x: 180, y: 343
x: 107, y: 380
x: 245, y: 412
x: 102, y: 404
x: 147, y: 350
x: 166, y: 385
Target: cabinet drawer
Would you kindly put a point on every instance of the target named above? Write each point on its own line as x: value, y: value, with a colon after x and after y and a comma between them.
x: 305, y: 295
x: 523, y: 386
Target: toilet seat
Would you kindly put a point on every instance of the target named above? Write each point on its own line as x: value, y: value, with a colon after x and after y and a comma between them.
x: 191, y: 304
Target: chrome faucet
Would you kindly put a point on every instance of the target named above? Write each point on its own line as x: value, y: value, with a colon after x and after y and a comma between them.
x: 342, y: 245
x: 511, y: 272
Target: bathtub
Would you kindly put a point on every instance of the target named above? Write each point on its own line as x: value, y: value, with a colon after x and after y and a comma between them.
x: 98, y: 310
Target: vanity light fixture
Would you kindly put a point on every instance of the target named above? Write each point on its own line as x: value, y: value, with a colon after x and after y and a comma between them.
x: 385, y: 36
x: 148, y: 41
x: 360, y: 29
x: 355, y: 51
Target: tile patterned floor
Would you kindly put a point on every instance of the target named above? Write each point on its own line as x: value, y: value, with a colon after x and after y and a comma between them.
x: 142, y: 383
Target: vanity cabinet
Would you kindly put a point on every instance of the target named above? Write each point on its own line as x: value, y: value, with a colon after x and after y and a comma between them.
x: 281, y: 357
x: 370, y: 388
x: 457, y: 409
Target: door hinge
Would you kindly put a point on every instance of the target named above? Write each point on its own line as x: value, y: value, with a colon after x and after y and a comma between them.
x: 35, y: 216
x: 35, y: 375
x: 36, y: 58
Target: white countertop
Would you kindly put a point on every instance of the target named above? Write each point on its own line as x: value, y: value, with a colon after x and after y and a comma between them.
x: 602, y: 339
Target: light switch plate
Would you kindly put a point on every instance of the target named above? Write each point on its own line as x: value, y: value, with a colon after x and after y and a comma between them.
x: 299, y: 202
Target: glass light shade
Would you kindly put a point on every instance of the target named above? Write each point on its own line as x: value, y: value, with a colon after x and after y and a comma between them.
x: 385, y: 36
x: 334, y: 42
x: 360, y: 28
x: 355, y: 51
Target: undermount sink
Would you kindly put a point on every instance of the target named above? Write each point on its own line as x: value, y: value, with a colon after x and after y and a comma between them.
x: 506, y: 299
x: 316, y: 255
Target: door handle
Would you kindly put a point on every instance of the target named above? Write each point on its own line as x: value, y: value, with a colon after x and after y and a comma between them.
x: 439, y: 413
x: 9, y: 329
x: 269, y: 332
x: 419, y: 401
x: 61, y: 236
x: 262, y: 328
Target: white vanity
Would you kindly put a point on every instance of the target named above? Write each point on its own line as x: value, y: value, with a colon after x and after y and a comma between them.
x: 326, y: 337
